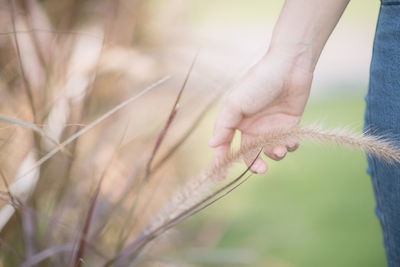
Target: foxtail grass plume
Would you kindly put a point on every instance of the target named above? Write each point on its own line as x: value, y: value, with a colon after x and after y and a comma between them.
x: 202, y: 185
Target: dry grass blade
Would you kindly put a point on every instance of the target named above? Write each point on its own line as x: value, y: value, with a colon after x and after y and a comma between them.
x: 28, y: 125
x: 29, y: 226
x: 65, y: 180
x: 27, y: 86
x: 7, y: 140
x: 5, y: 245
x: 149, y: 234
x: 377, y: 146
x: 94, y: 123
x: 85, y: 230
x: 3, y: 178
x: 168, y: 123
x: 229, y: 188
x: 159, y: 140
x: 182, y: 140
x: 37, y: 30
x: 46, y: 253
x: 186, y: 135
x: 21, y: 189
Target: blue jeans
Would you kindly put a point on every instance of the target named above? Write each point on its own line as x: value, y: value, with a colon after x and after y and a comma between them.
x: 382, y: 117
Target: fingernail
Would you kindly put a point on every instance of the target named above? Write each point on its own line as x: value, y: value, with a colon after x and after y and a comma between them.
x: 261, y: 169
x: 279, y: 153
x: 258, y: 168
x: 254, y: 167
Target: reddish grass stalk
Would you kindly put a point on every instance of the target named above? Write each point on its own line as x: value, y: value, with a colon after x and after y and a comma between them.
x: 186, y: 135
x: 376, y: 146
x: 85, y: 230
x: 180, y: 142
x: 159, y: 140
x: 149, y: 234
x: 168, y: 123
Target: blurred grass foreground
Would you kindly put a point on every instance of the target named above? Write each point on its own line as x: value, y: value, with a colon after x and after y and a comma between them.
x: 90, y: 153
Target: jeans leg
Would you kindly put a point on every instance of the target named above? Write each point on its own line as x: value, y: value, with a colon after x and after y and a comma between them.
x: 382, y: 116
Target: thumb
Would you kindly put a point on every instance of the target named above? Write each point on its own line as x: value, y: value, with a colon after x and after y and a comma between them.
x: 225, y: 126
x: 224, y: 130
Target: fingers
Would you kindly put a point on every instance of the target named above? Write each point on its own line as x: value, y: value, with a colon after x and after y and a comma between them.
x: 292, y: 144
x: 224, y: 130
x: 275, y: 152
x: 225, y: 125
x: 278, y: 152
x: 259, y: 165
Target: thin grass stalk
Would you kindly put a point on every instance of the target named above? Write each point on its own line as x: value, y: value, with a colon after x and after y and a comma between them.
x: 94, y: 123
x: 159, y: 140
x: 377, y: 146
x: 18, y: 205
x: 176, y: 146
x: 109, y: 164
x: 21, y: 189
x: 85, y: 230
x: 4, y: 179
x: 208, y: 201
x: 81, y: 248
x: 52, y: 31
x: 33, y: 12
x: 24, y: 189
x: 70, y: 161
x: 7, y: 211
x: 7, y: 140
x: 29, y: 225
x: 27, y: 86
x: 122, y: 198
x: 28, y: 125
x: 5, y: 245
x: 152, y: 231
x: 47, y: 253
x: 171, y: 117
x: 111, y: 210
x: 186, y: 135
x: 28, y: 22
x: 122, y: 237
x: 182, y: 140
x: 233, y: 187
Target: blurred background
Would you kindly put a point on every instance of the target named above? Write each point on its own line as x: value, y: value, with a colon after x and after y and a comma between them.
x: 65, y: 63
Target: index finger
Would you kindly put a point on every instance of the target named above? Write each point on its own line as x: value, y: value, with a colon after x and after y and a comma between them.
x: 224, y: 130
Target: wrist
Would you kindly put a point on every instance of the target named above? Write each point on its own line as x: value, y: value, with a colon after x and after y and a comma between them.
x: 299, y: 55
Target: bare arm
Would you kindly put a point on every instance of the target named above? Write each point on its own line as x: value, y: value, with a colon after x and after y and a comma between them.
x: 304, y: 26
x: 274, y: 92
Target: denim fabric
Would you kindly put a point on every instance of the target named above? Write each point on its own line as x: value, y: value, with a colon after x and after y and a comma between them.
x: 382, y: 116
x: 390, y: 2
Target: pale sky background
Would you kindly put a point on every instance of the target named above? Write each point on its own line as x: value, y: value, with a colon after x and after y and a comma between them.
x: 233, y: 33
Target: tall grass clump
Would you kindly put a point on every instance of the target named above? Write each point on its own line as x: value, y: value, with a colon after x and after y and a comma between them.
x: 91, y: 130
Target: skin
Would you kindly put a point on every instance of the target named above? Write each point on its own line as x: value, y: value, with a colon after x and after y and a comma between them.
x: 274, y: 92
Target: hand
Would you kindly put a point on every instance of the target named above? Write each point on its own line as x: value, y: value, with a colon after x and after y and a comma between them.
x: 272, y: 95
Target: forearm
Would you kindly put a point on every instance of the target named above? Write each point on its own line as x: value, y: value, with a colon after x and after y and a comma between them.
x: 303, y: 28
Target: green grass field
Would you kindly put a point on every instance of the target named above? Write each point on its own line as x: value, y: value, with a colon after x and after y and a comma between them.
x: 315, y: 208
